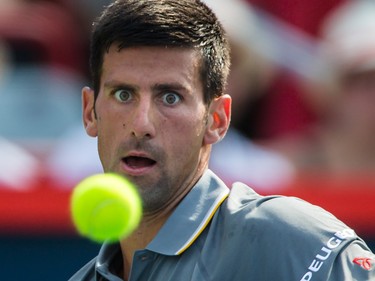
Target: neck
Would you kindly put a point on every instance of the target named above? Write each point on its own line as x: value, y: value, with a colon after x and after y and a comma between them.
x: 153, y: 222
x: 139, y: 239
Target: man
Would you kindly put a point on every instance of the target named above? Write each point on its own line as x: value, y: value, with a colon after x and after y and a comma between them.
x: 157, y: 106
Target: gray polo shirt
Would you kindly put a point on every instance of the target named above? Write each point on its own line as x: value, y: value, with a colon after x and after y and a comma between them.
x: 217, y: 233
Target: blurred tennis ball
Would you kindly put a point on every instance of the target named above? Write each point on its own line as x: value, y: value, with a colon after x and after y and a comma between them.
x: 106, y: 207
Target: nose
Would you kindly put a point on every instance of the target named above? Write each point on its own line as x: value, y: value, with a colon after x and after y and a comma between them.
x: 143, y: 125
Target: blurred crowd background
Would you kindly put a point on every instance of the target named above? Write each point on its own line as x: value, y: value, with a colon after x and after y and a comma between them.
x: 302, y: 82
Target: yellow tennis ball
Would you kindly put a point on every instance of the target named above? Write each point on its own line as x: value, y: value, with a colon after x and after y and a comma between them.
x: 106, y: 207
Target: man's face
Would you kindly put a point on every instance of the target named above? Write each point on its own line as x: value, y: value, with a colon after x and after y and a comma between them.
x: 151, y: 121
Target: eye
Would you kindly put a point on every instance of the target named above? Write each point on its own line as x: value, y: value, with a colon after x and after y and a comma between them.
x: 171, y: 98
x: 123, y: 95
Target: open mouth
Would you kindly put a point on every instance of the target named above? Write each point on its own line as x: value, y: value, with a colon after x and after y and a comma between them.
x: 136, y: 162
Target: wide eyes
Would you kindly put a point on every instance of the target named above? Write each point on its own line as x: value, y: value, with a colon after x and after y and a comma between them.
x: 123, y: 95
x: 167, y: 98
x: 171, y: 98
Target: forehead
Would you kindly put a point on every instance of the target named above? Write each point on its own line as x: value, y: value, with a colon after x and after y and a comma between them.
x: 151, y: 62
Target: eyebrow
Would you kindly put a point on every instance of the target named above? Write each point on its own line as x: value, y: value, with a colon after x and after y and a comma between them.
x: 169, y: 86
x: 156, y: 87
x: 112, y: 84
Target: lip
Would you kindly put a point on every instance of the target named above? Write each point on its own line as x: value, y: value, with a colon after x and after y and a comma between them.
x: 135, y: 170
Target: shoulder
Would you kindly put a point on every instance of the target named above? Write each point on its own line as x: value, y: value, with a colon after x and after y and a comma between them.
x: 281, y: 213
x: 86, y: 273
x: 287, y: 232
x: 283, y: 221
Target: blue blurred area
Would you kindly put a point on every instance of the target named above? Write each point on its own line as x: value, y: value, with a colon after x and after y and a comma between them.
x: 43, y: 67
x: 49, y: 258
x: 38, y: 103
x: 43, y: 258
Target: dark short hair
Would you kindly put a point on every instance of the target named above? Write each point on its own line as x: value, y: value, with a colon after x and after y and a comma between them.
x: 167, y: 23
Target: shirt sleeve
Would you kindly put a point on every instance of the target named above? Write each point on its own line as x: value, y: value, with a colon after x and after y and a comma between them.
x: 354, y: 262
x: 311, y: 243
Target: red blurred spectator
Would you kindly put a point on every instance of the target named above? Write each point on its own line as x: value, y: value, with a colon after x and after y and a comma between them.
x: 341, y: 145
x: 284, y: 110
x: 43, y: 32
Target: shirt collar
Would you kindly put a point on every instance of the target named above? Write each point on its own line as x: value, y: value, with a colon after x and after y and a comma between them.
x: 109, y: 261
x: 191, y: 216
x: 182, y: 228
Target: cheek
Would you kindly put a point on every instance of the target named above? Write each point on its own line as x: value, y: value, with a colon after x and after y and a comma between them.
x: 108, y: 133
x: 188, y: 141
x: 184, y: 136
x: 104, y: 146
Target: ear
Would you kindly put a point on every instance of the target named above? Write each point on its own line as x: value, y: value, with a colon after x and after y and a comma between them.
x: 219, y: 114
x: 88, y: 111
